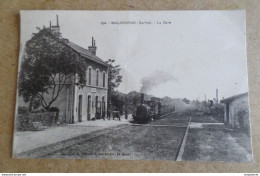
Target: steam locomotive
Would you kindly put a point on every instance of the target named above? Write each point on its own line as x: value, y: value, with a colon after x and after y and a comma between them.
x: 151, y: 110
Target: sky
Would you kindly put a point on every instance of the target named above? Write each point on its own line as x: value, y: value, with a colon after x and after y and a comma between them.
x: 190, y: 57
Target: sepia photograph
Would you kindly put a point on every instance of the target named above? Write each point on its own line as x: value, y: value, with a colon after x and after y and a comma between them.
x: 133, y: 85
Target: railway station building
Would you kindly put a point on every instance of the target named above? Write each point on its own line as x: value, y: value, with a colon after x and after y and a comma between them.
x: 90, y: 101
x: 75, y: 103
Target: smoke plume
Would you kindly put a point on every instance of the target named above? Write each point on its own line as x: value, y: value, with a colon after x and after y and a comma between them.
x: 155, y: 79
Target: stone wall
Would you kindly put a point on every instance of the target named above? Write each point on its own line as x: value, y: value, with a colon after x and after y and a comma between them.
x: 25, y: 122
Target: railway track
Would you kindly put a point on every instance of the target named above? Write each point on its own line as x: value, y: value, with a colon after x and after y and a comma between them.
x: 178, y: 156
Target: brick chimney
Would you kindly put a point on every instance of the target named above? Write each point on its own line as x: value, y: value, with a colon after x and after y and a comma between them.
x: 93, y: 47
x: 55, y: 29
x: 57, y: 20
x: 216, y: 95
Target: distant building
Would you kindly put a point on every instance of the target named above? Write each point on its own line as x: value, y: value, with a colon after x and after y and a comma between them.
x: 210, y: 103
x: 236, y: 114
x: 77, y: 104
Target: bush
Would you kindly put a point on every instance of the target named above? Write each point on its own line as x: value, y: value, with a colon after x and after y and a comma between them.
x: 243, y: 121
x: 55, y: 109
x: 24, y: 122
x: 22, y: 110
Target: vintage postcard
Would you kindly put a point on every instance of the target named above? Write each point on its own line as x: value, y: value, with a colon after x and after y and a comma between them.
x: 133, y: 85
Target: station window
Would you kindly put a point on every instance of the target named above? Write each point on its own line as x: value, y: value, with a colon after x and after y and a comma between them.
x: 97, y: 78
x: 104, y: 79
x: 89, y: 76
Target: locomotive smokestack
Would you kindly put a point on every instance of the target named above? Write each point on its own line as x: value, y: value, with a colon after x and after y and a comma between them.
x: 142, y: 98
